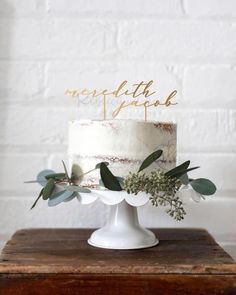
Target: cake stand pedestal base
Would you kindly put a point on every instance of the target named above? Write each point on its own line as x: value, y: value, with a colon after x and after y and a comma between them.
x: 123, y: 230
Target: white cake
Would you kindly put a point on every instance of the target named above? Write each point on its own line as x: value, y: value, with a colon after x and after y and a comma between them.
x: 122, y: 143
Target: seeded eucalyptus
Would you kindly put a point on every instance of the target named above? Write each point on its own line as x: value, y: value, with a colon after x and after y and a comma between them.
x: 161, y: 188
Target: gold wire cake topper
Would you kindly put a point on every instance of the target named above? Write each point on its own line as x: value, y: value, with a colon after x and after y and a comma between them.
x: 140, y: 95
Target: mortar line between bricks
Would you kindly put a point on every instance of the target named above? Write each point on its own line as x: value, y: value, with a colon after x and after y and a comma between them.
x: 159, y: 62
x: 33, y: 149
x: 44, y: 16
x: 62, y: 148
x: 201, y: 61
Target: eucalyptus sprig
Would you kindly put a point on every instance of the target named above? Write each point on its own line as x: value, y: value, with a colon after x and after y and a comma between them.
x: 60, y: 187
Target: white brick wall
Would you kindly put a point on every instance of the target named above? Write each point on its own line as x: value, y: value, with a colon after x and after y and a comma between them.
x: 47, y: 46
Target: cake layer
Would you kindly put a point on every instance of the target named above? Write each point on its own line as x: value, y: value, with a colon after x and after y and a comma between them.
x: 122, y: 143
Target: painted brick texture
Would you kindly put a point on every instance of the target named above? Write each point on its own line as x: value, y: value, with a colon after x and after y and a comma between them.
x: 47, y: 46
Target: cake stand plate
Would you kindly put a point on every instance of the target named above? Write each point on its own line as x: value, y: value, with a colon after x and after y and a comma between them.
x: 122, y: 230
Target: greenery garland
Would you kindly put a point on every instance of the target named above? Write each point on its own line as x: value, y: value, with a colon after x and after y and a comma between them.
x: 162, y: 187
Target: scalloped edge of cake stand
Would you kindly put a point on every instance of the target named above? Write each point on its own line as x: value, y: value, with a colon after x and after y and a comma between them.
x: 113, y: 197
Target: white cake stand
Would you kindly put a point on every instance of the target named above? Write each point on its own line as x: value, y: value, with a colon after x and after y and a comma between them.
x: 122, y: 230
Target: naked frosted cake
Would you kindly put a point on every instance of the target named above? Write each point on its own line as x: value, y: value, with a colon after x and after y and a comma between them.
x: 122, y: 143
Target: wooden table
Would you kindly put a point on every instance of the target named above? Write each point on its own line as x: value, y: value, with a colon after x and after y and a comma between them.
x: 59, y: 261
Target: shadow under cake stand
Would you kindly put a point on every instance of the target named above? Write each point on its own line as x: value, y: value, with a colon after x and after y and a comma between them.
x: 122, y: 230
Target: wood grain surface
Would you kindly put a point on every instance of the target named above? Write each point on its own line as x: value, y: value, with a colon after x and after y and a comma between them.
x: 43, y: 261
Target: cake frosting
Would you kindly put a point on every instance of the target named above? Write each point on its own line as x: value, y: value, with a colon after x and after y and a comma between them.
x: 122, y: 143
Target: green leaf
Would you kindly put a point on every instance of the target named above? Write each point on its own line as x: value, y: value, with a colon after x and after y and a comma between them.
x: 150, y: 159
x: 182, y: 172
x: 99, y: 165
x: 47, y: 191
x: 71, y: 197
x: 76, y: 188
x: 36, y: 201
x: 58, y: 194
x: 203, y: 186
x: 76, y: 173
x: 184, y: 179
x: 56, y: 175
x: 121, y: 180
x: 182, y: 166
x: 41, y: 177
x: 108, y: 179
x: 64, y: 165
x: 59, y: 197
